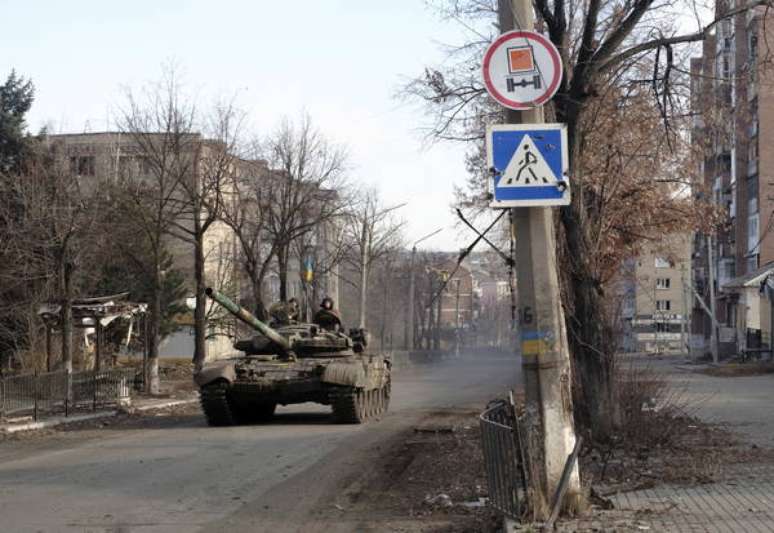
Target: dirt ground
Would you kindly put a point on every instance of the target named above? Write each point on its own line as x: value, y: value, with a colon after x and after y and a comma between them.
x: 429, y: 479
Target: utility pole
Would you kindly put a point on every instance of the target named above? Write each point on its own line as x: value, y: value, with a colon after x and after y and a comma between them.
x: 544, y: 348
x: 457, y: 321
x: 713, y: 310
x: 684, y: 317
x: 408, y: 333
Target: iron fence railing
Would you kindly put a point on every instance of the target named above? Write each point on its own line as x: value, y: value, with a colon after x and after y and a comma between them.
x: 54, y: 393
x: 503, y: 458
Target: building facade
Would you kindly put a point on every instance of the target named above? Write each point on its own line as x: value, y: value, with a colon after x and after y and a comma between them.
x: 656, y: 297
x: 733, y: 109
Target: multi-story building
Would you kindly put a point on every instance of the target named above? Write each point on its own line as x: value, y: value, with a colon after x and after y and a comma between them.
x: 109, y: 156
x: 733, y: 108
x: 656, y: 299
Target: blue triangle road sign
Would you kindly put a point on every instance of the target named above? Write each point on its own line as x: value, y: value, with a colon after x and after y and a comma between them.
x: 529, y: 164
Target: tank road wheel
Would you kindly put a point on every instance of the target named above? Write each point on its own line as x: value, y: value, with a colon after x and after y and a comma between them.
x: 364, y: 403
x: 349, y: 405
x: 215, y: 405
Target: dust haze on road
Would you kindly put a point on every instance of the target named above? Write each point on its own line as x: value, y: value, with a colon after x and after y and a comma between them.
x: 177, y: 474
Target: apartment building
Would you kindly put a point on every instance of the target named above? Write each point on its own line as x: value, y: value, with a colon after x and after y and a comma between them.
x: 733, y: 108
x: 656, y: 300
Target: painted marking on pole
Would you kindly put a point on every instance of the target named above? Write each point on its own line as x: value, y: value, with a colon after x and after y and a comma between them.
x: 535, y: 342
x: 522, y: 69
x: 529, y: 163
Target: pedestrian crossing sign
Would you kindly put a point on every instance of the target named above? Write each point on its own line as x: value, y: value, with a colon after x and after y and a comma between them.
x: 529, y: 165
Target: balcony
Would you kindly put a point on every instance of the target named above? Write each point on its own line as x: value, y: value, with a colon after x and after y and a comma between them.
x: 752, y: 167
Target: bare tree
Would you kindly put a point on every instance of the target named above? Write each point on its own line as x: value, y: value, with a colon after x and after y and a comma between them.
x: 202, y: 193
x: 48, y: 214
x: 306, y: 187
x: 159, y: 127
x: 247, y: 214
x: 373, y: 233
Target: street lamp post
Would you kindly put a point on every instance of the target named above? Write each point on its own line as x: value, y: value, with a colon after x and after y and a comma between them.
x: 408, y: 334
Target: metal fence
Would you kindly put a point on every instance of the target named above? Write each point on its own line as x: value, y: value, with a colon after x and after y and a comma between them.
x: 503, y: 458
x: 56, y: 393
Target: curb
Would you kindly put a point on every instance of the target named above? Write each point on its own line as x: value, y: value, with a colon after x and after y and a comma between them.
x: 171, y: 403
x: 30, y: 426
x: 43, y: 424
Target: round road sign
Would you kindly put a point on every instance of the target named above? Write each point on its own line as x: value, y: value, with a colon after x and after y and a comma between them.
x: 522, y: 69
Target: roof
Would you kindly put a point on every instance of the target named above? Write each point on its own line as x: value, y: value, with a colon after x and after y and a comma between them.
x: 751, y: 279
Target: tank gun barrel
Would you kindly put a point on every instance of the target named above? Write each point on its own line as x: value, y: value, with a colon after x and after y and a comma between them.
x: 248, y: 318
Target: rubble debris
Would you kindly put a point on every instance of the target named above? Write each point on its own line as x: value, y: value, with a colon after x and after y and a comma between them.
x: 444, y: 500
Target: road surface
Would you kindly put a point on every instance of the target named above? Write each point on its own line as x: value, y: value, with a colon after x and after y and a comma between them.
x: 177, y: 474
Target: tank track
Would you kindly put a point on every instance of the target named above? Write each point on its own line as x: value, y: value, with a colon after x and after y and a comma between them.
x: 214, y: 401
x: 356, y: 406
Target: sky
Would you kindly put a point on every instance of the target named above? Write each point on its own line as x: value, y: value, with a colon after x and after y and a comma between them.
x: 341, y: 61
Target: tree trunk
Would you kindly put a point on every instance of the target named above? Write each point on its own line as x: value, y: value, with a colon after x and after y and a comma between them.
x: 282, y: 263
x: 363, y: 285
x: 152, y: 379
x: 66, y: 273
x: 200, y: 311
x: 260, y: 306
x: 591, y: 344
x: 437, y: 333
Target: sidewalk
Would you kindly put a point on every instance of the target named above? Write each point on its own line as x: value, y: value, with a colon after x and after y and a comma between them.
x: 138, y: 404
x: 742, y: 498
x: 742, y: 502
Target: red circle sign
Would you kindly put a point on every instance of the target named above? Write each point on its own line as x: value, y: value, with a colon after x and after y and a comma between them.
x: 522, y: 69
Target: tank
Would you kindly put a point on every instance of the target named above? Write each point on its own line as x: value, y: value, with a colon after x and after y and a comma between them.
x: 293, y: 363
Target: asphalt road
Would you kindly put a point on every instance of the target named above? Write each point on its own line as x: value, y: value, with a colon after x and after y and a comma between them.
x: 177, y: 474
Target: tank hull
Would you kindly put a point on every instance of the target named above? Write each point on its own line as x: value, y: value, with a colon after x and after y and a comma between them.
x: 247, y: 388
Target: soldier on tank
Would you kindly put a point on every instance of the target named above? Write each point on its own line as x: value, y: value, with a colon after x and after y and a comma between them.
x: 327, y: 317
x: 284, y: 313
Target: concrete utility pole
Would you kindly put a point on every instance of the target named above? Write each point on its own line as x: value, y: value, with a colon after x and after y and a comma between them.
x: 408, y: 334
x: 457, y: 321
x: 545, y: 353
x: 684, y: 318
x: 713, y: 310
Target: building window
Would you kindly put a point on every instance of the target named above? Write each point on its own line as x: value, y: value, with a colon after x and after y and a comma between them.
x: 662, y: 327
x: 752, y: 233
x: 752, y: 195
x: 661, y: 262
x: 82, y: 165
x: 663, y: 283
x: 663, y: 305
